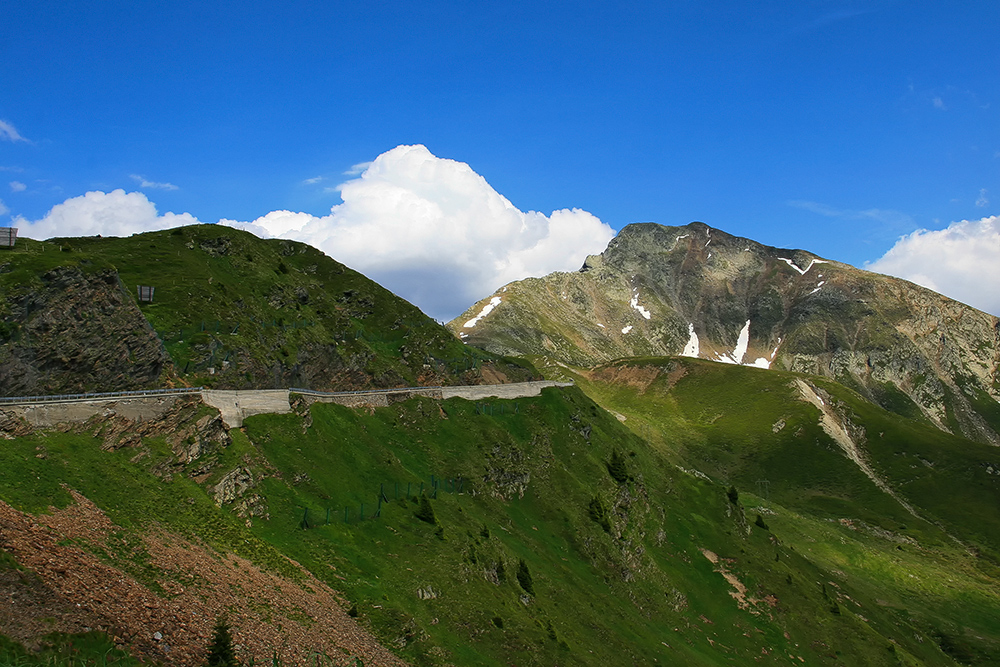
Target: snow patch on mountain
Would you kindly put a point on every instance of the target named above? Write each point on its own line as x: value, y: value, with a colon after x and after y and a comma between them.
x: 691, y: 349
x: 742, y: 342
x: 487, y: 309
x: 802, y: 271
x: 761, y: 362
x: 634, y: 302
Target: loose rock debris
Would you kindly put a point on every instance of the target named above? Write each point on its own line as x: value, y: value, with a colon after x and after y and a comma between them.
x: 67, y: 584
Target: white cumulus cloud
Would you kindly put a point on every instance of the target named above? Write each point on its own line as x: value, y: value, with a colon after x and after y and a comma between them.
x: 961, y: 261
x: 3, y: 209
x: 18, y: 186
x: 115, y: 213
x: 435, y: 232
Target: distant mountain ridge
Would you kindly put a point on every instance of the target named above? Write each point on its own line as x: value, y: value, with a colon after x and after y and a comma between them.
x: 700, y: 292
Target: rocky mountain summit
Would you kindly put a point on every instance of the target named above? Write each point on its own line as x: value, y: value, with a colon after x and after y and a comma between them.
x: 699, y: 292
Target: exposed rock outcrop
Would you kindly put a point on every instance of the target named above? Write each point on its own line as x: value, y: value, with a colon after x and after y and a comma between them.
x: 76, y: 331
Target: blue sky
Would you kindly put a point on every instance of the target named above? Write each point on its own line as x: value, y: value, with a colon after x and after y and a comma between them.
x: 835, y: 126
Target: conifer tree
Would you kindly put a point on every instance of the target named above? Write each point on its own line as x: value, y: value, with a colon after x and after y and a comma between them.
x: 616, y: 467
x: 221, y: 652
x: 425, y: 512
x: 524, y: 577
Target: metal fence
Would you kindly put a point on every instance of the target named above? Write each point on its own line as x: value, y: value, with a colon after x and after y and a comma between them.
x: 368, y: 511
x: 96, y: 396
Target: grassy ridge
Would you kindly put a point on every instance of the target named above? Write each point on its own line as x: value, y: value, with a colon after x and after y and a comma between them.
x: 233, y: 310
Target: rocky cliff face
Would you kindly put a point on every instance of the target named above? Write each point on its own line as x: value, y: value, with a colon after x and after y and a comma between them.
x: 72, y: 332
x: 699, y: 292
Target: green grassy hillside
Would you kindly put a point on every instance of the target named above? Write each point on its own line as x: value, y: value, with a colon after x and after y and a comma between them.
x: 229, y: 310
x: 554, y: 536
x: 928, y: 549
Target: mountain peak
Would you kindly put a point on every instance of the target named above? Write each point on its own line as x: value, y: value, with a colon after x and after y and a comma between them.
x: 698, y: 291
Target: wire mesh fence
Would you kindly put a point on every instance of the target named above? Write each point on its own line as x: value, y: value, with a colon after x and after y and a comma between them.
x: 360, y: 511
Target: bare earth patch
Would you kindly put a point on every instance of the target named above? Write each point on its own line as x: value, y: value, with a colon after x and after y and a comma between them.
x: 739, y: 592
x: 630, y: 376
x: 75, y: 591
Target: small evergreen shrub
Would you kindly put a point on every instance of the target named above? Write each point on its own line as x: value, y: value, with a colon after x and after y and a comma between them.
x: 425, y: 512
x: 221, y: 652
x: 733, y: 495
x: 524, y: 577
x: 599, y: 513
x: 616, y: 467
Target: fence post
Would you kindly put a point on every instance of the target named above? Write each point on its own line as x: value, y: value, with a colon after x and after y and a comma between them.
x: 305, y: 519
x: 328, y: 516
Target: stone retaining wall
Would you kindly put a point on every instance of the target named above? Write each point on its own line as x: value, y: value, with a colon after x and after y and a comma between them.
x: 372, y: 400
x: 476, y: 392
x: 47, y: 415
